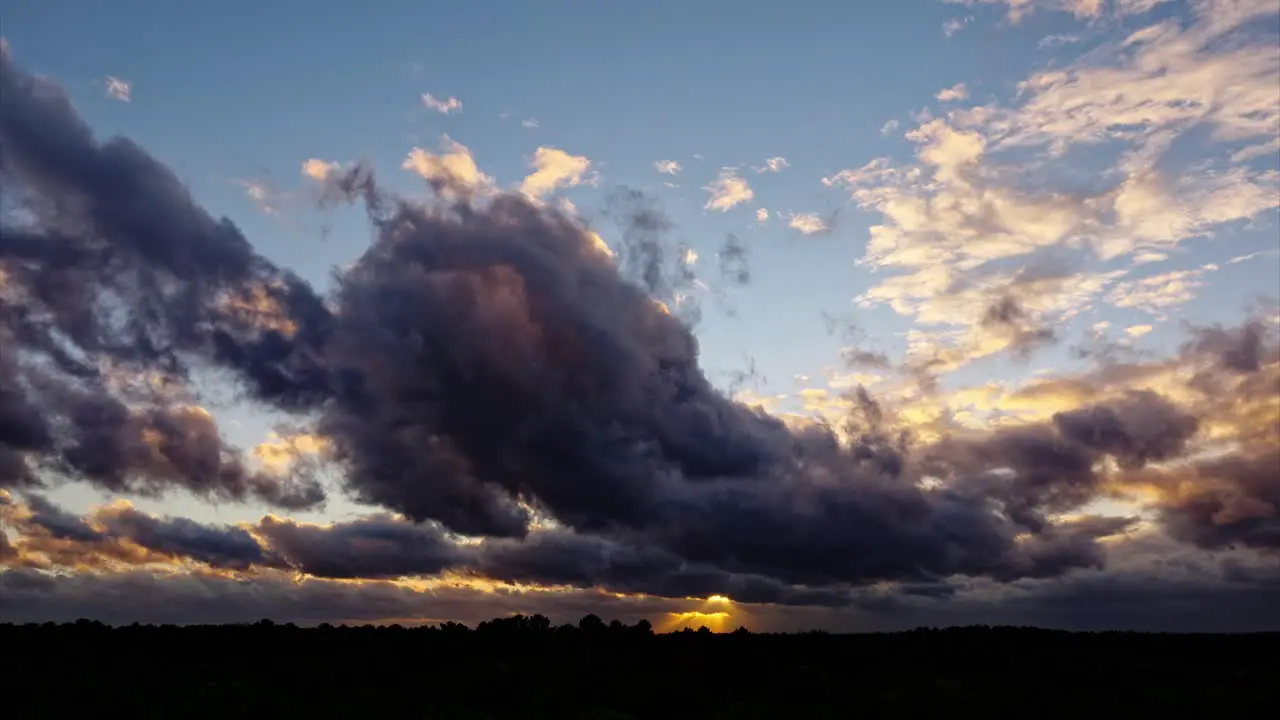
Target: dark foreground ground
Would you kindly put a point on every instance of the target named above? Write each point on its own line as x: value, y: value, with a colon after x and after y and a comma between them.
x: 526, y: 669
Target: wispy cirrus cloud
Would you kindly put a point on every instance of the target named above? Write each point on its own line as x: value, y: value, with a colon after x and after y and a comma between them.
x: 118, y: 89
x: 667, y: 167
x: 444, y: 106
x: 955, y: 25
x: 773, y: 164
x: 1017, y: 10
x: 1158, y: 295
x: 263, y: 195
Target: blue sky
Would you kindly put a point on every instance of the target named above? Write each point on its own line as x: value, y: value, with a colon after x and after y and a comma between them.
x: 1126, y: 150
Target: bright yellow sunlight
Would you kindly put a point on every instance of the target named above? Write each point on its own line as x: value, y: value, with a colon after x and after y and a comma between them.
x: 715, y: 621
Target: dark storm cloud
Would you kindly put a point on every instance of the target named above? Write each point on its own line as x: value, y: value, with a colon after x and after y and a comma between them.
x: 59, y: 523
x: 376, y: 547
x: 1235, y: 500
x: 856, y: 358
x: 1139, y: 428
x: 114, y: 534
x: 564, y: 558
x: 386, y: 547
x: 1009, y: 319
x: 223, y: 546
x: 1050, y: 467
x: 149, y: 450
x: 1231, y: 597
x: 122, y: 598
x: 108, y: 263
x: 1239, y: 349
x: 23, y: 429
x: 734, y: 265
x: 532, y: 370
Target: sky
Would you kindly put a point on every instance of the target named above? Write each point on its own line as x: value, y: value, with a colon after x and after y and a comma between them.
x: 851, y: 316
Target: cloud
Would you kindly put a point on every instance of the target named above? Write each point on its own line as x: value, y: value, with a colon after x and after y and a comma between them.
x: 112, y: 430
x: 261, y: 194
x: 953, y: 93
x: 1159, y: 294
x: 762, y: 215
x: 733, y: 261
x: 727, y: 191
x: 374, y: 547
x: 955, y: 25
x: 889, y: 127
x: 446, y: 106
x: 530, y: 123
x: 1137, y: 331
x: 554, y: 169
x: 982, y: 195
x: 118, y: 89
x: 773, y: 164
x: 1052, y: 41
x: 1250, y: 256
x: 319, y: 170
x: 667, y: 167
x: 1017, y: 10
x: 807, y: 223
x: 452, y: 172
x: 554, y: 397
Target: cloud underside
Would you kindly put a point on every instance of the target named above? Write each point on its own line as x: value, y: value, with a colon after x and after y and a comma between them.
x: 529, y: 416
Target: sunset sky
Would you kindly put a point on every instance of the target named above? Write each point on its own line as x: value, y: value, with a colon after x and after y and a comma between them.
x: 846, y: 315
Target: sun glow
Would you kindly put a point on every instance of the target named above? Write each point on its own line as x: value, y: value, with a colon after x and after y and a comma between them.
x: 714, y: 621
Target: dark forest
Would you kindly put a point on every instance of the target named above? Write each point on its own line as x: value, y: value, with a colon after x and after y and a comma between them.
x: 526, y: 667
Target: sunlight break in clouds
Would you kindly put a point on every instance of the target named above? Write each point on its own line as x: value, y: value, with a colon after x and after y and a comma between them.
x: 727, y: 191
x: 118, y: 89
x: 553, y: 169
x: 447, y: 106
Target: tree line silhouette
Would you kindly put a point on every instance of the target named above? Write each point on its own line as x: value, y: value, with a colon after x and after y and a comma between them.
x: 527, y: 667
